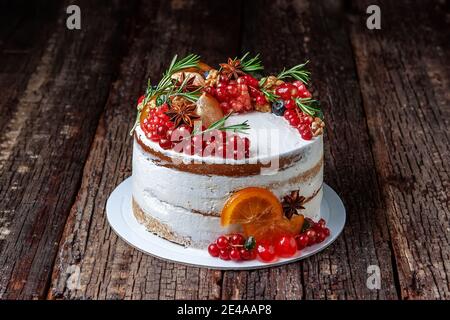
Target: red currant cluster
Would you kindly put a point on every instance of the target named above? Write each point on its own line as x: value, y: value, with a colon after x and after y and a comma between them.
x: 214, y: 143
x: 301, y: 121
x: 315, y: 232
x: 233, y: 247
x: 158, y: 127
x: 236, y: 95
x: 288, y: 92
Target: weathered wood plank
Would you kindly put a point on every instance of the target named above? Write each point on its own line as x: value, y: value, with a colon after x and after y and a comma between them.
x: 45, y: 140
x: 92, y: 261
x: 404, y: 73
x: 296, y: 31
x: 24, y: 30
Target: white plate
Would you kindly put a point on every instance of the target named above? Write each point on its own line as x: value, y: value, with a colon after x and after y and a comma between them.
x: 123, y: 222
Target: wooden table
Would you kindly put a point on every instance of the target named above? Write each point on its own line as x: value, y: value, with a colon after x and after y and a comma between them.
x: 67, y: 102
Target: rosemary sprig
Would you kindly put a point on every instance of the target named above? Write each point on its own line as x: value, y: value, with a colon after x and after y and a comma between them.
x: 165, y: 86
x: 309, y: 106
x: 270, y: 96
x: 191, y: 96
x: 297, y: 72
x: 251, y: 64
x: 176, y: 65
x: 220, y: 125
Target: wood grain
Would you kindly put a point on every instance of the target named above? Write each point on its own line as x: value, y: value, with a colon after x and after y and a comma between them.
x: 45, y: 140
x: 92, y: 261
x: 404, y: 74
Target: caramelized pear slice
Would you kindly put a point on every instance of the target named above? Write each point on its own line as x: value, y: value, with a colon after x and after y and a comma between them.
x: 208, y: 109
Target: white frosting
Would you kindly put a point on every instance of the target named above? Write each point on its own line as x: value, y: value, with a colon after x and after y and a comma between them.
x: 270, y: 136
x: 175, y: 197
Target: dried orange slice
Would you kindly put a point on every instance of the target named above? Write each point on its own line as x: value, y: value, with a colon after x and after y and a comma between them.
x: 271, y: 229
x: 251, y: 205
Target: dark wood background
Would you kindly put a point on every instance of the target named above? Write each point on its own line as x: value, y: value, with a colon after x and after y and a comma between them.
x: 67, y: 102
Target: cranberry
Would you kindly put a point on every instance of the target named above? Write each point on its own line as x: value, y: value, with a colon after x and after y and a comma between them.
x: 321, y: 222
x: 224, y: 254
x: 213, y: 250
x: 312, y: 236
x: 237, y: 239
x: 285, y: 246
x: 222, y: 242
x: 235, y: 254
x: 326, y: 231
x: 266, y: 251
x: 141, y: 98
x: 302, y: 241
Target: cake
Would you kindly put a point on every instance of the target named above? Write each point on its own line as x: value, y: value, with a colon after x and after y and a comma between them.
x: 229, y: 152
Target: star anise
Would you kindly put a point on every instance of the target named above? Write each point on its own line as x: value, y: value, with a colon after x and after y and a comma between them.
x: 232, y: 68
x: 291, y: 203
x: 181, y: 111
x: 187, y: 86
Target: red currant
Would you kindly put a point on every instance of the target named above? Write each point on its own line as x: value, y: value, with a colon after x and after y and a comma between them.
x: 326, y: 231
x: 222, y: 242
x: 165, y: 143
x: 321, y: 222
x: 283, y: 91
x: 261, y: 100
x: 162, y: 130
x: 306, y: 135
x: 213, y: 250
x: 224, y: 254
x: 302, y: 241
x: 285, y: 246
x: 289, y: 104
x: 235, y: 255
x: 312, y: 236
x: 237, y: 239
x: 266, y: 251
x: 320, y: 237
x: 247, y: 254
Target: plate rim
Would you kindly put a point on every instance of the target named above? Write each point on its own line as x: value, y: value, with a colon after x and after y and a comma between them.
x: 125, y: 185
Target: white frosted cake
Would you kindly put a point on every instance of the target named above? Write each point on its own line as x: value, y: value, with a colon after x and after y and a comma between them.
x: 265, y: 135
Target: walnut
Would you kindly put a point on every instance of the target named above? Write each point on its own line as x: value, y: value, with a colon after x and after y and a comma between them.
x: 263, y: 108
x: 271, y: 82
x: 212, y: 78
x: 317, y: 126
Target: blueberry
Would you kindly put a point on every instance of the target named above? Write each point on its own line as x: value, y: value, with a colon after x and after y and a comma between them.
x: 278, y: 108
x: 205, y: 74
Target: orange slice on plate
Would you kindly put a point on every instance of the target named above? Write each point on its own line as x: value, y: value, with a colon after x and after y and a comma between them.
x: 250, y: 205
